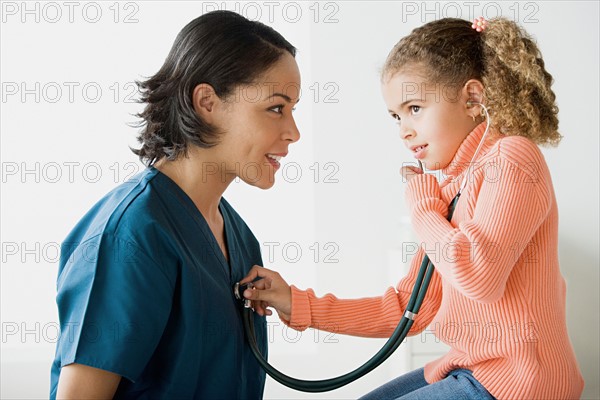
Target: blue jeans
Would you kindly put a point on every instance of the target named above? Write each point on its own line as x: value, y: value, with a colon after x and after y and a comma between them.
x: 458, y: 385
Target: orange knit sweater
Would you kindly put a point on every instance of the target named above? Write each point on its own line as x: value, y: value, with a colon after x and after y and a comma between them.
x: 497, y: 297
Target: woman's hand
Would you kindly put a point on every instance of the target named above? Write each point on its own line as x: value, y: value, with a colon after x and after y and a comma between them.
x: 408, y: 172
x: 270, y: 291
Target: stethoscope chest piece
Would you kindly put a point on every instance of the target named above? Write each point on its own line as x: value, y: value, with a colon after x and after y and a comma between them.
x: 238, y: 292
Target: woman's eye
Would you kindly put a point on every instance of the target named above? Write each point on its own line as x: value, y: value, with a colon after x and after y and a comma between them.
x: 415, y: 109
x: 277, y: 109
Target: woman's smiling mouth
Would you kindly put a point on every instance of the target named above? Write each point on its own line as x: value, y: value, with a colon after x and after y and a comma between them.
x: 274, y: 160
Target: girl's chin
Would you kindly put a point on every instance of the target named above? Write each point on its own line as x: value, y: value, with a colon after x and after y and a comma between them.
x: 433, y: 165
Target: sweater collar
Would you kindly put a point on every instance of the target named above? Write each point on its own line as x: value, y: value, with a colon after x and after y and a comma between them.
x: 466, y: 150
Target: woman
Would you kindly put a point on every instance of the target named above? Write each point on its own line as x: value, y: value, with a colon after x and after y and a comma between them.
x: 144, y: 285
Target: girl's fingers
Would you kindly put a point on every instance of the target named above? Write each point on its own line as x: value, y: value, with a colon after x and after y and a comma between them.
x: 259, y: 272
x: 261, y: 284
x: 408, y: 172
x: 261, y: 308
x: 252, y: 274
x: 257, y: 295
x: 269, y: 292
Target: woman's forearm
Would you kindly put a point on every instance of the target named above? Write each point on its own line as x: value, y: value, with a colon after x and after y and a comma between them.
x: 78, y: 381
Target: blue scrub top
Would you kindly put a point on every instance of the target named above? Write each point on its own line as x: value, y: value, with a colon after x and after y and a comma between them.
x: 144, y: 291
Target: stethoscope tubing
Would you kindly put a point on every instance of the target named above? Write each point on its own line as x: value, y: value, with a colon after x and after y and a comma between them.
x: 412, y: 309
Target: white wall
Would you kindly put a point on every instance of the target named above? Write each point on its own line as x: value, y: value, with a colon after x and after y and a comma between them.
x: 353, y: 209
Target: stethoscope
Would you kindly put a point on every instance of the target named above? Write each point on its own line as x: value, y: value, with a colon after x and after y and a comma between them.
x: 397, y: 337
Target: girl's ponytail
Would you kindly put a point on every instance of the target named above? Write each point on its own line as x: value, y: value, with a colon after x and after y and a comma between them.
x: 517, y: 86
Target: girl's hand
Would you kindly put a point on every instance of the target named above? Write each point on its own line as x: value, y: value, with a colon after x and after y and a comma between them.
x: 408, y: 172
x: 271, y: 291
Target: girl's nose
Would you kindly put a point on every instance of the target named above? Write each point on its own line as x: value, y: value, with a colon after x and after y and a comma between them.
x: 406, y: 132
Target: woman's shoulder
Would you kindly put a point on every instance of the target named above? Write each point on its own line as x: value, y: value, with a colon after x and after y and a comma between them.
x: 127, y: 202
x: 131, y: 203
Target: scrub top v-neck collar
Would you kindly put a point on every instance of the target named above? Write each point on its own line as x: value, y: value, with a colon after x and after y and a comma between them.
x: 203, y: 224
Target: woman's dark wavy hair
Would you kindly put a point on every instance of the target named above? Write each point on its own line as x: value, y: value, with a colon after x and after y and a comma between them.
x: 220, y: 48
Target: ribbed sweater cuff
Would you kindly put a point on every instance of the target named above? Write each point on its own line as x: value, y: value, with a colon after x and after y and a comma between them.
x: 422, y: 187
x: 300, y: 318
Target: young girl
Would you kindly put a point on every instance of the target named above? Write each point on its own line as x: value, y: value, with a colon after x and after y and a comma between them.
x: 497, y: 297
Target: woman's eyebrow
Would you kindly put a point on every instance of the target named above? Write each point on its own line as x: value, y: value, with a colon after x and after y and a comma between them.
x: 284, y: 96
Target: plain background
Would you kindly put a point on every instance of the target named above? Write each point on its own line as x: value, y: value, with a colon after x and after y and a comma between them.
x: 335, y: 219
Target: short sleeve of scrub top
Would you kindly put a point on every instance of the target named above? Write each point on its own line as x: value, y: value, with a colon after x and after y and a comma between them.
x: 144, y: 291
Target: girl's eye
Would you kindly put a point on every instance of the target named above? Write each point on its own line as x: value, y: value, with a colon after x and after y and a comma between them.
x: 415, y: 109
x: 396, y: 117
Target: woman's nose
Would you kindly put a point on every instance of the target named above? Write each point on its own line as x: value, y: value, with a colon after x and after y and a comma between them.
x: 292, y: 134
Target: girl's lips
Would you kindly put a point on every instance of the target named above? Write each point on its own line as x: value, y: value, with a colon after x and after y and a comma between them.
x: 420, y: 152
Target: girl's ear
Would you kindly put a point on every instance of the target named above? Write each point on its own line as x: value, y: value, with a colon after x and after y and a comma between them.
x: 205, y: 101
x: 473, y: 91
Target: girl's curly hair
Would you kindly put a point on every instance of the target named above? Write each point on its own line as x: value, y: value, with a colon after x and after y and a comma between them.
x: 503, y: 57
